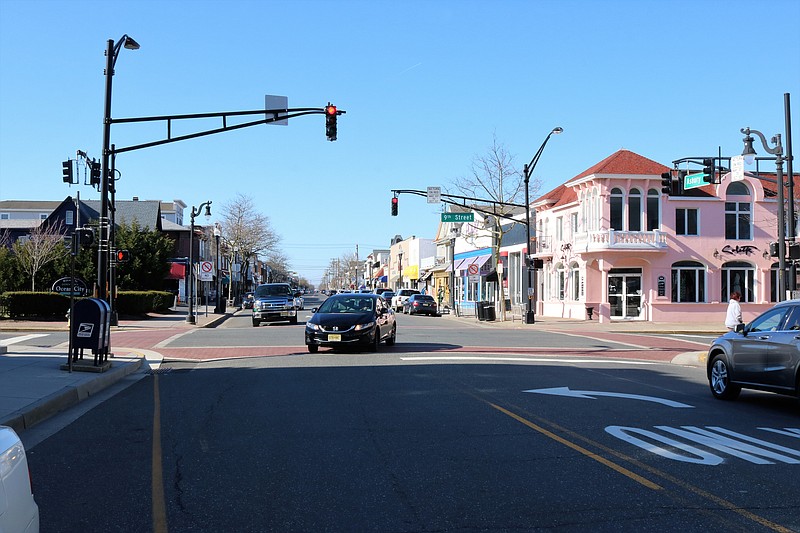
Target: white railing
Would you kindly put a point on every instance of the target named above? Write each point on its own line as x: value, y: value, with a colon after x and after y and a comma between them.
x: 620, y: 240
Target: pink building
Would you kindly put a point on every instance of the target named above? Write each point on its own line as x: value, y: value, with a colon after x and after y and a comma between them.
x: 612, y: 241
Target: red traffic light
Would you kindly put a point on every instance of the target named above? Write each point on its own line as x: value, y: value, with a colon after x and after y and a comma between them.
x: 123, y: 256
x: 395, y: 202
x: 330, y: 110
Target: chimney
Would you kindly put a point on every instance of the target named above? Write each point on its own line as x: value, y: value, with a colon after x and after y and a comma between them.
x: 135, y: 198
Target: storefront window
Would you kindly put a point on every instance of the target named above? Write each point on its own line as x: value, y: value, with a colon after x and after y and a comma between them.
x: 688, y: 282
x: 738, y: 276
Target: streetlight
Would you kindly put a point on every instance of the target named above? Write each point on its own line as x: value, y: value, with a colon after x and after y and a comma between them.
x: 104, y: 247
x: 190, y: 292
x: 218, y: 308
x: 526, y: 172
x: 749, y: 154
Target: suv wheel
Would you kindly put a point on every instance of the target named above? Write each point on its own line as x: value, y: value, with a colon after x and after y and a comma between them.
x: 255, y: 323
x: 720, y: 381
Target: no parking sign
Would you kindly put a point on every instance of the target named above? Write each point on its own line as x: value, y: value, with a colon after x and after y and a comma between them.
x: 206, y: 272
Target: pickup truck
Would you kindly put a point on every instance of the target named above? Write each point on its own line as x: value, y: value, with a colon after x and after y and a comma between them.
x: 400, y: 298
x: 273, y: 302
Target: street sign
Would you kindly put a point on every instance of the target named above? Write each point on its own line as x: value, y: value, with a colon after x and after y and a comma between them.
x: 737, y: 168
x: 473, y: 269
x: 206, y: 271
x: 458, y: 217
x: 434, y: 195
x: 276, y: 102
x: 692, y: 181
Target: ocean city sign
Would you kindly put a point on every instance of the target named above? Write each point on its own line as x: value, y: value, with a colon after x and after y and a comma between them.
x: 70, y: 287
x: 458, y: 217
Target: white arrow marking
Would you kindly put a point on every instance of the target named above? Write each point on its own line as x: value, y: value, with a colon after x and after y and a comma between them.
x: 565, y: 391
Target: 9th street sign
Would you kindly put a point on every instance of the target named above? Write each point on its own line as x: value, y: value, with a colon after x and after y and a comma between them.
x: 458, y: 217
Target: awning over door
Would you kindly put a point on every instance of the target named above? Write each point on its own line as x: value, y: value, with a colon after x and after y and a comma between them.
x: 176, y: 271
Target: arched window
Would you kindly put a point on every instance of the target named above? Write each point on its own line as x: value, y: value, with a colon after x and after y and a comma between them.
x: 561, y: 280
x: 653, y: 207
x: 738, y: 276
x: 575, y: 282
x: 688, y: 282
x: 616, y: 209
x: 635, y: 210
x: 738, y: 219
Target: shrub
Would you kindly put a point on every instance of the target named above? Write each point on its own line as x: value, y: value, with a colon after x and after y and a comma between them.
x: 25, y: 304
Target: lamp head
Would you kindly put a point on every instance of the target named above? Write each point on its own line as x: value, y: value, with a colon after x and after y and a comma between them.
x: 749, y: 152
x: 208, y: 209
x: 130, y: 44
x: 557, y: 130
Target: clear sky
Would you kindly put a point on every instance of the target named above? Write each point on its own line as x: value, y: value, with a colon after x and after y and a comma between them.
x: 425, y: 84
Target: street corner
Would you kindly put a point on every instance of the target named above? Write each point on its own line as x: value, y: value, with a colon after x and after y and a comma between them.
x: 697, y: 358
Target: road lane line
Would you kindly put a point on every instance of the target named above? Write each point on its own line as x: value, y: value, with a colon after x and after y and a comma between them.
x: 22, y: 338
x: 591, y: 455
x: 157, y: 487
x: 549, y: 359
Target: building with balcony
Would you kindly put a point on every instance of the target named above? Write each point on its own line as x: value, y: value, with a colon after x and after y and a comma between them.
x: 610, y: 240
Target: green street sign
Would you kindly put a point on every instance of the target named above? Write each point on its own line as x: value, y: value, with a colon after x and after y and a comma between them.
x: 692, y: 181
x: 458, y: 217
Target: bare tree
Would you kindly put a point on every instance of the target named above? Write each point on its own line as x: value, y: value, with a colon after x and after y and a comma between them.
x: 247, y: 230
x: 495, y: 177
x: 43, y: 245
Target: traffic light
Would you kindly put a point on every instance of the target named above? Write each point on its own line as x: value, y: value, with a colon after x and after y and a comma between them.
x: 394, y: 205
x: 85, y: 237
x: 123, y: 256
x: 94, y: 179
x: 666, y: 183
x: 708, y: 170
x: 330, y: 122
x: 66, y: 171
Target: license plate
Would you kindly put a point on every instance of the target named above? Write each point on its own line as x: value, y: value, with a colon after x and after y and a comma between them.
x: 333, y: 337
x: 286, y: 313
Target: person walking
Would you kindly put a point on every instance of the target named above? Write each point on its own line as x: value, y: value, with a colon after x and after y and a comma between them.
x: 734, y: 315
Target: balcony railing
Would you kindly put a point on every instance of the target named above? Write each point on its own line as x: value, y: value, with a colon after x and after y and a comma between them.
x: 620, y: 240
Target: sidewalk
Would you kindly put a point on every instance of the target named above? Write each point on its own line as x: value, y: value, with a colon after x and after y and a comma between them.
x: 34, y: 386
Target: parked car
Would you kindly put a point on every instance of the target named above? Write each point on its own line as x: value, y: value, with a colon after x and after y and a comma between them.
x: 763, y: 354
x: 387, y: 296
x: 418, y: 304
x: 18, y: 510
x: 274, y: 301
x: 351, y: 319
x: 400, y: 297
x: 381, y: 290
x: 247, y: 300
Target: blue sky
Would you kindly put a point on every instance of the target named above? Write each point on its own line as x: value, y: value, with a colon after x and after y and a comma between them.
x: 426, y: 86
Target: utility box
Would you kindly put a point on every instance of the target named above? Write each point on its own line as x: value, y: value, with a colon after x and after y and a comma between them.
x: 90, y: 329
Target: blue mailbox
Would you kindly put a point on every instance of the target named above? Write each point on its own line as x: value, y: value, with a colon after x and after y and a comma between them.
x: 91, y: 328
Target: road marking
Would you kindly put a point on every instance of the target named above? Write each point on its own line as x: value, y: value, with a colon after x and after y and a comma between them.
x: 21, y: 338
x: 157, y: 475
x: 590, y: 395
x: 602, y: 460
x: 529, y: 359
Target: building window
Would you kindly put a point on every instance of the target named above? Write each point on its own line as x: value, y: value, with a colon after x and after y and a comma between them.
x: 688, y: 282
x: 737, y: 212
x: 561, y: 279
x: 575, y: 282
x: 686, y: 222
x: 616, y: 209
x: 635, y: 210
x: 559, y: 229
x: 69, y: 217
x: 4, y: 216
x: 573, y: 223
x: 738, y: 276
x: 653, y: 206
x: 773, y: 278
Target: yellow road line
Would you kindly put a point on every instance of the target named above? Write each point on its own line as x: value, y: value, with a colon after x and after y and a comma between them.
x: 602, y: 460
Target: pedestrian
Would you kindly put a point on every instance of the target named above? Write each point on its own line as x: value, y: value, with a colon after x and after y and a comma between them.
x: 734, y: 315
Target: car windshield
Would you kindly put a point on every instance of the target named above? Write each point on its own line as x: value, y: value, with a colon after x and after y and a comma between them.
x: 423, y: 298
x: 347, y: 305
x: 273, y: 290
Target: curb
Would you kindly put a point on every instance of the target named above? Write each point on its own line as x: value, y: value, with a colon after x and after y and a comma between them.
x: 67, y: 397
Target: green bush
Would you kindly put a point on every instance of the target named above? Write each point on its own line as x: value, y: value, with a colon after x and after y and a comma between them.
x: 141, y: 302
x: 34, y: 304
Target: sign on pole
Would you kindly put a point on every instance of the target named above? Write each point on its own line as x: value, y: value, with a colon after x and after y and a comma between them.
x: 692, y: 181
x: 206, y: 272
x: 737, y: 168
x: 276, y: 102
x: 434, y: 195
x: 458, y: 217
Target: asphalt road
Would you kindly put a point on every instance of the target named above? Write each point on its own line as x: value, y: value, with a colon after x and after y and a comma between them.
x: 416, y: 439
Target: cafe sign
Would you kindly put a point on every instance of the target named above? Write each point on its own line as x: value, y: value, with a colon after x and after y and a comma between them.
x: 71, y: 287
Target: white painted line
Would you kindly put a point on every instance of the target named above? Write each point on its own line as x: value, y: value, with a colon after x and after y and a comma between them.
x: 21, y: 338
x: 590, y: 394
x: 528, y: 359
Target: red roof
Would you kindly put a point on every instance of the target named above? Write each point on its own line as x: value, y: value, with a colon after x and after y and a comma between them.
x: 620, y: 162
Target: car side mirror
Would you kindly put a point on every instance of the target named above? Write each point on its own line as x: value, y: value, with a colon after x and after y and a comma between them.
x: 739, y: 328
x: 314, y: 309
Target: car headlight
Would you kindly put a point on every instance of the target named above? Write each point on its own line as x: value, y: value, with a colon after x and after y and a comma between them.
x: 313, y: 327
x: 359, y: 327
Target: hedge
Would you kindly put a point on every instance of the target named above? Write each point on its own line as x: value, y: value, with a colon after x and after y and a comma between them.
x: 20, y: 304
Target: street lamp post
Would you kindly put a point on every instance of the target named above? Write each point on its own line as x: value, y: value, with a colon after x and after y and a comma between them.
x: 104, y: 246
x: 218, y: 307
x: 526, y: 172
x: 749, y: 154
x: 190, y: 290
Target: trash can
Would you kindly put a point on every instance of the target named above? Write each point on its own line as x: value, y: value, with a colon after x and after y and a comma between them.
x: 488, y: 311
x: 480, y: 310
x: 589, y: 311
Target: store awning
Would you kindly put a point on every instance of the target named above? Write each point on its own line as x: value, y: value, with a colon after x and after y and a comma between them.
x: 382, y: 279
x: 425, y: 275
x: 378, y: 274
x: 478, y: 260
x: 456, y: 265
x: 481, y: 260
x: 176, y: 271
